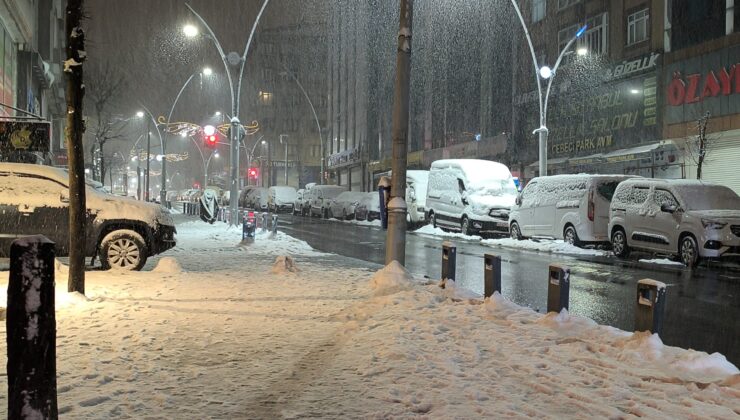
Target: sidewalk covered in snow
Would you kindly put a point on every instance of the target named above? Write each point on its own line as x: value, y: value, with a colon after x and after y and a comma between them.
x: 215, y: 330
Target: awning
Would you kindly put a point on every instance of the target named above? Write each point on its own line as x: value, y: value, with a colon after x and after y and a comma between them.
x: 633, y: 153
x: 550, y: 162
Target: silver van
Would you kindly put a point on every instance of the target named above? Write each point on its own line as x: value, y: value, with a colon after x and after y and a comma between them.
x: 574, y: 208
x: 684, y: 218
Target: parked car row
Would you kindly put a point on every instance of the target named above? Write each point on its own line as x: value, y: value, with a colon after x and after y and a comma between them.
x: 685, y: 219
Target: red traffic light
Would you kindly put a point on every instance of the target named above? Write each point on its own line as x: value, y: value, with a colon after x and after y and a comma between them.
x: 253, y: 173
x: 211, y: 140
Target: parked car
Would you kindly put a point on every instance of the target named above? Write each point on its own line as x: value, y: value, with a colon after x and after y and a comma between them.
x: 343, y: 206
x: 470, y: 195
x: 368, y: 207
x: 244, y: 193
x: 574, y: 208
x: 684, y: 218
x: 34, y: 199
x: 319, y: 197
x: 257, y: 199
x: 281, y: 198
x: 298, y: 202
x: 226, y: 198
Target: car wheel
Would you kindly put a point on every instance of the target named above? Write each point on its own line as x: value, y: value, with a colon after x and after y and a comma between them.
x: 123, y: 250
x: 619, y: 244
x: 571, y: 236
x: 465, y: 226
x: 515, y: 232
x: 689, y: 251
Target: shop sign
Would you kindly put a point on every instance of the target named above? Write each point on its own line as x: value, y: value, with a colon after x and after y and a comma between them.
x: 25, y: 136
x: 706, y: 83
x: 345, y: 157
x: 697, y: 87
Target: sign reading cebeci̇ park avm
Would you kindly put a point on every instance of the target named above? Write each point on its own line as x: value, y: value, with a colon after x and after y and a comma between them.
x: 28, y: 136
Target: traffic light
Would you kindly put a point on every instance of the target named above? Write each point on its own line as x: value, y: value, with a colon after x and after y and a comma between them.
x: 253, y: 173
x: 210, y: 136
x: 211, y: 140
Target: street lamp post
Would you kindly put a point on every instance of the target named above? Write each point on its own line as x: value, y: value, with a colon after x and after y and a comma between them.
x: 234, y: 59
x: 286, y: 156
x: 544, y: 72
x: 163, y: 192
x: 315, y: 117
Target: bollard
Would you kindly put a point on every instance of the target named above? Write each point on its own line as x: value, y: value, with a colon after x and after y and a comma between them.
x: 558, y: 288
x: 449, y: 259
x: 31, y: 330
x: 651, y: 295
x: 274, y: 224
x: 264, y: 222
x: 491, y: 275
x: 248, y: 228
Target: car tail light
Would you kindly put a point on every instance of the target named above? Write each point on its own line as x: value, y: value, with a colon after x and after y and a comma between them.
x: 591, y: 205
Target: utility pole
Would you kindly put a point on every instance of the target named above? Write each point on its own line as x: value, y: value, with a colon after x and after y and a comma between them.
x: 74, y: 131
x: 395, y: 245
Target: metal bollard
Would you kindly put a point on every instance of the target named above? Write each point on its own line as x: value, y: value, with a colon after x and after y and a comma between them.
x: 449, y: 260
x: 558, y: 288
x: 491, y: 275
x: 274, y: 224
x: 31, y: 330
x: 651, y: 296
x: 264, y: 222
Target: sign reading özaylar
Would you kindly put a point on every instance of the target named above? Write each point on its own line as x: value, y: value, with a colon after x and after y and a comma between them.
x: 25, y: 136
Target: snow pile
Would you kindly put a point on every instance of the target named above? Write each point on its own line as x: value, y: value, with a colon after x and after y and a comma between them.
x: 661, y: 261
x: 430, y: 230
x: 393, y: 278
x: 168, y: 265
x: 543, y: 245
x: 231, y: 338
x: 284, y: 264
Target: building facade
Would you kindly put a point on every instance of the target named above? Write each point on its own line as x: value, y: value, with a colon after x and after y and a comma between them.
x: 31, y: 77
x: 630, y: 96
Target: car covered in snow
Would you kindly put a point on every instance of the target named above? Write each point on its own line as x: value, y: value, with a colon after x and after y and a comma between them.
x: 369, y: 207
x: 34, y: 200
x: 470, y: 195
x: 256, y: 199
x: 343, y: 206
x: 298, y: 202
x: 319, y: 197
x: 244, y: 194
x: 689, y: 219
x: 281, y: 198
x: 574, y: 208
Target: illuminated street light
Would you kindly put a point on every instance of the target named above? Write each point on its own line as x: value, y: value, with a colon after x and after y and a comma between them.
x: 207, y: 71
x: 545, y: 72
x: 140, y: 114
x: 190, y: 31
x: 582, y: 51
x: 634, y: 91
x: 209, y: 130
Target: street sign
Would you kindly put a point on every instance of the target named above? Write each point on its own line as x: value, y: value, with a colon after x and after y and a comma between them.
x: 25, y: 136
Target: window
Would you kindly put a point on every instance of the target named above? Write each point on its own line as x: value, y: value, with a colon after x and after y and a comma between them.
x: 596, y: 37
x: 539, y: 9
x: 638, y: 27
x: 565, y: 35
x: 632, y: 195
x: 665, y: 197
x: 562, y: 4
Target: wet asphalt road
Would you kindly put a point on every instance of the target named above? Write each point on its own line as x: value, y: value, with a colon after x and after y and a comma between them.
x: 702, y: 307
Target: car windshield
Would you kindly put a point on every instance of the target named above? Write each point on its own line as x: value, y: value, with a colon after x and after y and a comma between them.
x: 708, y: 197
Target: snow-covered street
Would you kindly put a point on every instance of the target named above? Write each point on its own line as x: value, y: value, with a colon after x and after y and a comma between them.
x: 214, y: 330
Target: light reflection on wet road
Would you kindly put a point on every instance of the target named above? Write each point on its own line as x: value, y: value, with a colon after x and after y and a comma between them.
x: 702, y: 309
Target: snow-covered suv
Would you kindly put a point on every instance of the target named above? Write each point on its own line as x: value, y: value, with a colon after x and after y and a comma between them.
x: 687, y: 218
x: 122, y: 231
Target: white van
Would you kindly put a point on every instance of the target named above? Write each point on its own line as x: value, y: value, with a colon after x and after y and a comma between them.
x: 470, y: 195
x: 574, y: 208
x: 318, y: 198
x: 281, y: 198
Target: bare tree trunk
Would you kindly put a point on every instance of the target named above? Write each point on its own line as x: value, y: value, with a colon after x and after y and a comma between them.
x: 75, y: 129
x: 102, y: 163
x: 702, y: 143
